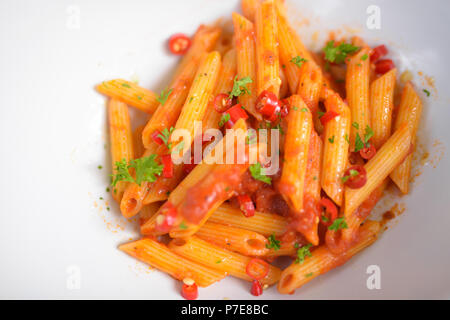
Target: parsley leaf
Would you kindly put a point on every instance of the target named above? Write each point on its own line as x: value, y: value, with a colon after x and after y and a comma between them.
x: 368, y: 134
x: 240, y: 87
x: 331, y: 139
x: 122, y: 173
x: 164, y: 96
x: 224, y: 119
x: 302, y: 253
x: 165, y: 135
x: 338, y: 223
x: 359, y: 144
x: 258, y: 173
x: 146, y: 168
x: 273, y: 243
x: 339, y: 53
x: 298, y: 61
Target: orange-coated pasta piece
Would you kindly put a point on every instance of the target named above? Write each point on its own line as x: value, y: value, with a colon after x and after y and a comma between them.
x: 213, y: 256
x: 121, y: 139
x: 159, y: 256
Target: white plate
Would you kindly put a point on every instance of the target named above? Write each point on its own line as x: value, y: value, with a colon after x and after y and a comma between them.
x: 54, y: 230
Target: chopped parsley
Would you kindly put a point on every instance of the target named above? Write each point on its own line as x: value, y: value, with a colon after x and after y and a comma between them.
x: 339, y: 53
x: 309, y: 274
x: 298, y: 61
x: 240, y: 87
x: 146, y: 168
x: 353, y: 173
x: 99, y: 167
x: 295, y: 108
x: 164, y: 95
x: 126, y: 85
x: 273, y: 243
x: 165, y: 135
x: 355, y: 125
x: 302, y: 253
x: 122, y: 173
x: 364, y: 57
x: 339, y: 223
x: 224, y: 119
x: 427, y: 92
x: 360, y: 143
x: 183, y: 226
x: 304, y: 110
x: 320, y: 113
x: 258, y: 173
x: 331, y: 139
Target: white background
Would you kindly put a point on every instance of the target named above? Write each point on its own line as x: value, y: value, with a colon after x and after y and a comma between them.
x: 53, y: 131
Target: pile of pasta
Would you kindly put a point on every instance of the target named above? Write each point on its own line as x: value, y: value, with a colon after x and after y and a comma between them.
x: 341, y: 143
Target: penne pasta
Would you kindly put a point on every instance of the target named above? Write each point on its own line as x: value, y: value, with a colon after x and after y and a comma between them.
x: 130, y: 93
x: 244, y: 34
x: 409, y: 111
x: 137, y: 142
x: 243, y: 241
x: 357, y: 87
x: 249, y: 8
x: 121, y: 140
x: 148, y: 211
x: 225, y: 81
x: 263, y: 223
x: 267, y: 56
x: 167, y: 113
x: 323, y: 260
x: 159, y: 256
x: 297, y: 140
x: 335, y: 152
x: 218, y: 258
x: 391, y: 154
x: 381, y: 106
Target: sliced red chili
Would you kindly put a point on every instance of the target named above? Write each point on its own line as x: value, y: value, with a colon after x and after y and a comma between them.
x: 168, y: 166
x: 156, y: 137
x: 166, y: 219
x: 179, y: 43
x: 378, y: 52
x: 368, y: 152
x: 257, y: 269
x: 383, y: 66
x: 246, y: 205
x: 189, y: 290
x: 355, y: 177
x: 222, y: 102
x: 329, y: 115
x: 268, y: 105
x: 256, y: 289
x: 330, y: 213
x: 285, y: 106
x: 236, y: 112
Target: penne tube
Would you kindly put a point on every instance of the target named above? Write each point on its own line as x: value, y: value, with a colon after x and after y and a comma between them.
x: 310, y: 85
x: 307, y: 221
x: 263, y: 223
x: 243, y: 241
x: 381, y: 106
x: 167, y: 113
x: 148, y: 211
x: 130, y: 93
x: 121, y: 140
x: 323, y: 260
x: 244, y: 34
x: 213, y: 256
x: 132, y: 200
x: 409, y: 111
x: 137, y: 142
x: 335, y: 152
x: 225, y: 82
x: 249, y: 8
x: 288, y: 52
x: 292, y: 182
x: 193, y: 110
x: 390, y: 155
x: 357, y: 87
x: 195, y: 179
x: 160, y: 257
x: 267, y: 56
